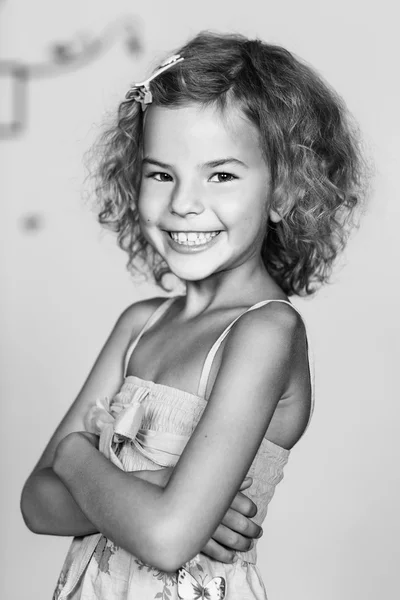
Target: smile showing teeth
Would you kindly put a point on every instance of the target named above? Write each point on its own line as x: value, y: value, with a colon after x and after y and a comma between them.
x: 193, y: 238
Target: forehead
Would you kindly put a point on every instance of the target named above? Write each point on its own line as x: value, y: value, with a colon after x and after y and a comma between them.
x: 200, y: 133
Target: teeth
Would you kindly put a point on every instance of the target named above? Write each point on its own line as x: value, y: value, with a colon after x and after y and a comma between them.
x: 193, y: 238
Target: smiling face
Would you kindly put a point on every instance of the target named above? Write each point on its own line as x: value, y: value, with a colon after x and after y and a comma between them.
x: 203, y: 201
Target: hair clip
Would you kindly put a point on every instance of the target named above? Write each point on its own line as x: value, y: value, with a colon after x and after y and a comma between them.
x: 140, y: 92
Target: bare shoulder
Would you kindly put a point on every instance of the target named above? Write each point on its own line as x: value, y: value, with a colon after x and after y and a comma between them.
x: 268, y: 347
x: 276, y: 323
x: 135, y: 315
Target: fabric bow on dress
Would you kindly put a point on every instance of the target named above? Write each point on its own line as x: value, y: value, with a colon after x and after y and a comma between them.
x: 117, y: 423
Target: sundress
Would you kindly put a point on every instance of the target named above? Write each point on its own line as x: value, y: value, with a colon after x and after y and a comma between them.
x: 146, y: 426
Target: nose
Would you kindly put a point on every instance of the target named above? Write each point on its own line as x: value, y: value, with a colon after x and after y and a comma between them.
x: 186, y: 199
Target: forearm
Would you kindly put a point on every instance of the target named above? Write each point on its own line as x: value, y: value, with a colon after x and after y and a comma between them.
x: 123, y: 507
x: 138, y: 515
x: 48, y: 507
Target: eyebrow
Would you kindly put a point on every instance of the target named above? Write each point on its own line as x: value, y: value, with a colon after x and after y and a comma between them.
x: 223, y: 161
x: 212, y: 164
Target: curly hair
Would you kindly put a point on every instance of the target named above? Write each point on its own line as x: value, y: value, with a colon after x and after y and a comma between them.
x: 306, y: 135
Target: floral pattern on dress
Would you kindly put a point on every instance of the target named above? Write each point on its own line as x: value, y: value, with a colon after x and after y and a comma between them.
x: 104, y: 551
x: 202, y: 586
x: 59, y: 586
x: 194, y: 562
x: 169, y: 580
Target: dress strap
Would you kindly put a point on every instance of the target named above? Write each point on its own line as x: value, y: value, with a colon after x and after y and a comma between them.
x: 205, y: 374
x: 154, y: 317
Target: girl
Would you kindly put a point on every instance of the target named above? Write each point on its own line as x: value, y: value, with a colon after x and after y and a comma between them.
x: 233, y: 167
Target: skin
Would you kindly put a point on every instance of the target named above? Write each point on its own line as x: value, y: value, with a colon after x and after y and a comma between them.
x: 47, y: 505
x: 185, y: 192
x: 260, y: 378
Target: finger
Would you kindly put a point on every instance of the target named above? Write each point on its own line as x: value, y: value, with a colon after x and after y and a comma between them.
x: 246, y: 483
x: 244, y: 505
x: 241, y: 524
x: 218, y: 552
x: 231, y: 539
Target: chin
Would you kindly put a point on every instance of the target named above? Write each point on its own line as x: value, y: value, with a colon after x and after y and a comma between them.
x: 191, y: 270
x: 187, y: 274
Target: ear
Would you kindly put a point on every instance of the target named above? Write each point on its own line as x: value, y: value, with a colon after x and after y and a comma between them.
x: 274, y: 216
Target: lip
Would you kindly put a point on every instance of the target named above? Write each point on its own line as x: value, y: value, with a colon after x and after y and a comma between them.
x: 184, y: 249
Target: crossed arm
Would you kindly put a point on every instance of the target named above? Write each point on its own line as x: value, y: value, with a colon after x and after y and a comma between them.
x: 49, y: 508
x: 166, y: 526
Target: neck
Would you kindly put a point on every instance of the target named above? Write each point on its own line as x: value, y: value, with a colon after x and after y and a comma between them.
x: 243, y: 285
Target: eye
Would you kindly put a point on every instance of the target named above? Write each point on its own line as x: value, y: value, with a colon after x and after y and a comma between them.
x: 159, y: 176
x: 222, y: 177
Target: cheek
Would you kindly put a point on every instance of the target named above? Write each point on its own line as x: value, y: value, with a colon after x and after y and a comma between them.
x: 247, y: 210
x: 147, y: 210
x: 153, y: 201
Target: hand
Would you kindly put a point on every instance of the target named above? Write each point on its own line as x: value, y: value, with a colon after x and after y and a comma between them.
x: 68, y: 443
x: 91, y: 437
x: 236, y: 531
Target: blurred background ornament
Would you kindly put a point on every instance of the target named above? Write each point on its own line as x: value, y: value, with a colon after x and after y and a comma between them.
x: 64, y: 56
x: 32, y: 222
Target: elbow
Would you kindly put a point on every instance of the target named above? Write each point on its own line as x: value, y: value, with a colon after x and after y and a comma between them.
x: 27, y: 508
x: 32, y: 525
x: 167, y: 560
x: 30, y: 507
x: 169, y: 547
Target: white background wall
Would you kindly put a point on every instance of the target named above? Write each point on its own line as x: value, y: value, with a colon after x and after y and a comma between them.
x: 333, y: 526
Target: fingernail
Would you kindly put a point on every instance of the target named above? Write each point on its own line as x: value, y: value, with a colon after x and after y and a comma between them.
x: 260, y: 534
